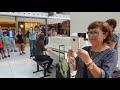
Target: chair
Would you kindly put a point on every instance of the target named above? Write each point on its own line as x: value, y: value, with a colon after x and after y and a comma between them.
x: 43, y: 63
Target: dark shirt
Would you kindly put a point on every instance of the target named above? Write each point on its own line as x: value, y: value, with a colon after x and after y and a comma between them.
x: 20, y: 38
x: 115, y: 39
x: 106, y: 60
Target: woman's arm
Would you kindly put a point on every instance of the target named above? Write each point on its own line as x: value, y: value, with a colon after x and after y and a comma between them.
x: 107, y: 67
x: 109, y: 64
x: 73, y: 65
x: 16, y: 36
x: 94, y: 69
x: 72, y: 61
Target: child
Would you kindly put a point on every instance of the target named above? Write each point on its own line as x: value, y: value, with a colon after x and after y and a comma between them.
x: 1, y: 48
x: 6, y: 43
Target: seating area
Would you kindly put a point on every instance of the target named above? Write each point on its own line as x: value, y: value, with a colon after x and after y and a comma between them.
x: 21, y: 66
x: 42, y: 64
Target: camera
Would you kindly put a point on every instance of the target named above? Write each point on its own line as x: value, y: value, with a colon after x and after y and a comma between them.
x: 73, y: 39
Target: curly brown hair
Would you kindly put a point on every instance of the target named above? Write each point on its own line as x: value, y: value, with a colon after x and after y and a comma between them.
x: 112, y: 22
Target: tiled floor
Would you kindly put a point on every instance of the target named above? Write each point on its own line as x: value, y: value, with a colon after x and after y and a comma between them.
x: 20, y: 66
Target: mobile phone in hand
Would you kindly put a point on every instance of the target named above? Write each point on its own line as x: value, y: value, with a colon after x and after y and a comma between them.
x: 75, y: 43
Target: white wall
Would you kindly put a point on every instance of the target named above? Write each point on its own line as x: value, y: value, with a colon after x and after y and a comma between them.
x: 81, y: 20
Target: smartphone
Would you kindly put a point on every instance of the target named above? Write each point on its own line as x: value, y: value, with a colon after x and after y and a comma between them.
x: 75, y: 43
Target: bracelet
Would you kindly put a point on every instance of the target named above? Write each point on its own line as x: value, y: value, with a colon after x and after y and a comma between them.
x: 89, y: 63
x: 91, y: 66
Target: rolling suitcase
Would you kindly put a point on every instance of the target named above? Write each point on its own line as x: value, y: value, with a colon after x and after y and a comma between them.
x: 62, y: 67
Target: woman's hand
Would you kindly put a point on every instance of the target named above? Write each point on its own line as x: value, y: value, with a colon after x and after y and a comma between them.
x: 84, y: 55
x: 71, y: 57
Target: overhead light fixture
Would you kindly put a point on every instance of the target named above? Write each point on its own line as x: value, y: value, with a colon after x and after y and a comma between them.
x: 21, y: 25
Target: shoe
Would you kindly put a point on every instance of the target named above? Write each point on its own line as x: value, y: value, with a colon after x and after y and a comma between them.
x: 8, y: 55
x: 31, y: 57
x: 11, y: 51
x: 49, y: 71
x: 2, y: 57
x: 15, y: 50
x: 5, y: 56
x: 23, y: 53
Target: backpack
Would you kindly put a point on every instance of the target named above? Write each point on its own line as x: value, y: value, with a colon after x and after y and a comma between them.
x: 62, y: 69
x: 27, y: 34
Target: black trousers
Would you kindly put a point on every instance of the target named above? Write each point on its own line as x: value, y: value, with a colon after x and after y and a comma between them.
x: 44, y: 58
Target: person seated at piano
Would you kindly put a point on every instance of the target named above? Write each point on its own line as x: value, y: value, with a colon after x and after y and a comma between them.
x: 40, y: 48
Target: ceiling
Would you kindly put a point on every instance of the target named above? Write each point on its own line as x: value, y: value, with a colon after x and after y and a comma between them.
x: 11, y: 19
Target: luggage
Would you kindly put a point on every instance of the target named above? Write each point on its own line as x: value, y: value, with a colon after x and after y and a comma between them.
x: 62, y: 67
x: 58, y: 74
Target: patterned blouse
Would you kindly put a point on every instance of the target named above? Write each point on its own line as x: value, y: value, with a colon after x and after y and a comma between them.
x: 106, y: 60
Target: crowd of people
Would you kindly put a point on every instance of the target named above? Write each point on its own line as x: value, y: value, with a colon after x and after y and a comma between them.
x: 7, y: 42
x: 37, y: 41
x: 96, y: 61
